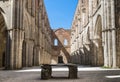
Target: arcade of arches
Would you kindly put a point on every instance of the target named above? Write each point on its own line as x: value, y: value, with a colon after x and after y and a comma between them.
x: 26, y: 38
x: 95, y: 35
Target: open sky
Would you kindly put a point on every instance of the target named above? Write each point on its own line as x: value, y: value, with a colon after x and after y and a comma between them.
x: 60, y: 12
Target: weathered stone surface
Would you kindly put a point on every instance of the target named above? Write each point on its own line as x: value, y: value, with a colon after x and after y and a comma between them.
x: 28, y: 40
x: 61, y: 45
x: 28, y: 36
x: 95, y: 33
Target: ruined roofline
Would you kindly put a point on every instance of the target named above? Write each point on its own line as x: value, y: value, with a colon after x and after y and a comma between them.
x: 76, y: 11
x: 60, y: 29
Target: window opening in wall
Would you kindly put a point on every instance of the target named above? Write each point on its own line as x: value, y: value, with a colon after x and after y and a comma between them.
x: 65, y: 42
x: 55, y: 42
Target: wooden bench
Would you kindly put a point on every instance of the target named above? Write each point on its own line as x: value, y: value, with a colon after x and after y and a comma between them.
x: 46, y: 72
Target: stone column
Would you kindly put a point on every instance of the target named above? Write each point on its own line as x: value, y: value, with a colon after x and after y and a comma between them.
x: 30, y: 53
x: 20, y: 42
x: 14, y: 54
x: 105, y: 36
x: 109, y: 33
x: 36, y: 55
x: 106, y: 62
x: 90, y: 17
x: 113, y: 33
x: 91, y: 29
x: 41, y: 55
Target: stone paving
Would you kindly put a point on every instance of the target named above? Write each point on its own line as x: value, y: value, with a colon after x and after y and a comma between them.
x: 85, y: 74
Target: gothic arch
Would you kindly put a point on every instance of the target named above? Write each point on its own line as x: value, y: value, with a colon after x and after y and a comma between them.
x: 26, y: 28
x: 2, y: 13
x: 98, y: 27
x: 6, y: 16
x: 3, y: 39
x: 98, y: 48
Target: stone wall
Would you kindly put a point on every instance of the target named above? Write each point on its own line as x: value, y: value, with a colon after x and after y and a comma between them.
x: 117, y: 21
x: 93, y: 37
x: 28, y: 33
x: 2, y: 40
x: 61, y: 45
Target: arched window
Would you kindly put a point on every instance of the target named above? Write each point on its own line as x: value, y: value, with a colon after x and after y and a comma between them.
x: 65, y: 42
x: 55, y: 42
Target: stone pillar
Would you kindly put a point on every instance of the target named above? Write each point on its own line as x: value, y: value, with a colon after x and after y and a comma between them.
x: 109, y: 33
x: 30, y: 53
x: 14, y: 55
x: 91, y: 29
x: 36, y: 55
x: 113, y: 33
x: 109, y: 48
x: 90, y: 17
x: 41, y: 55
x: 105, y: 36
x: 20, y: 42
x: 106, y: 51
x: 46, y: 58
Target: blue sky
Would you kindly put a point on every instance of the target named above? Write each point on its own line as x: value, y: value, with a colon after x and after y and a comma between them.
x: 60, y: 12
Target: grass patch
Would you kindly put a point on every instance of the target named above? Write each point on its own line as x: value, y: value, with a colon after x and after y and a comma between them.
x: 105, y: 67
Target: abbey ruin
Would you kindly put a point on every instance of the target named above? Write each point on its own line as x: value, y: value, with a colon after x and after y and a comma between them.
x: 96, y: 34
x: 26, y: 37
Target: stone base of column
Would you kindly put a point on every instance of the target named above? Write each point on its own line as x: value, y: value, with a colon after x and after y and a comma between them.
x: 72, y: 72
x: 46, y: 72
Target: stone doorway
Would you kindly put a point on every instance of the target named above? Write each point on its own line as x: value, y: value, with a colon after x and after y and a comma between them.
x: 3, y: 41
x: 60, y: 59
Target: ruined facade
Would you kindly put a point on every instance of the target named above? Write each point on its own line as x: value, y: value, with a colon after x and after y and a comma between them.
x: 26, y: 38
x: 25, y: 34
x: 61, y: 46
x: 95, y: 34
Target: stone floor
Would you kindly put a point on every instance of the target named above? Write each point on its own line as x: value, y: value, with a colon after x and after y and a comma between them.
x: 85, y: 74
